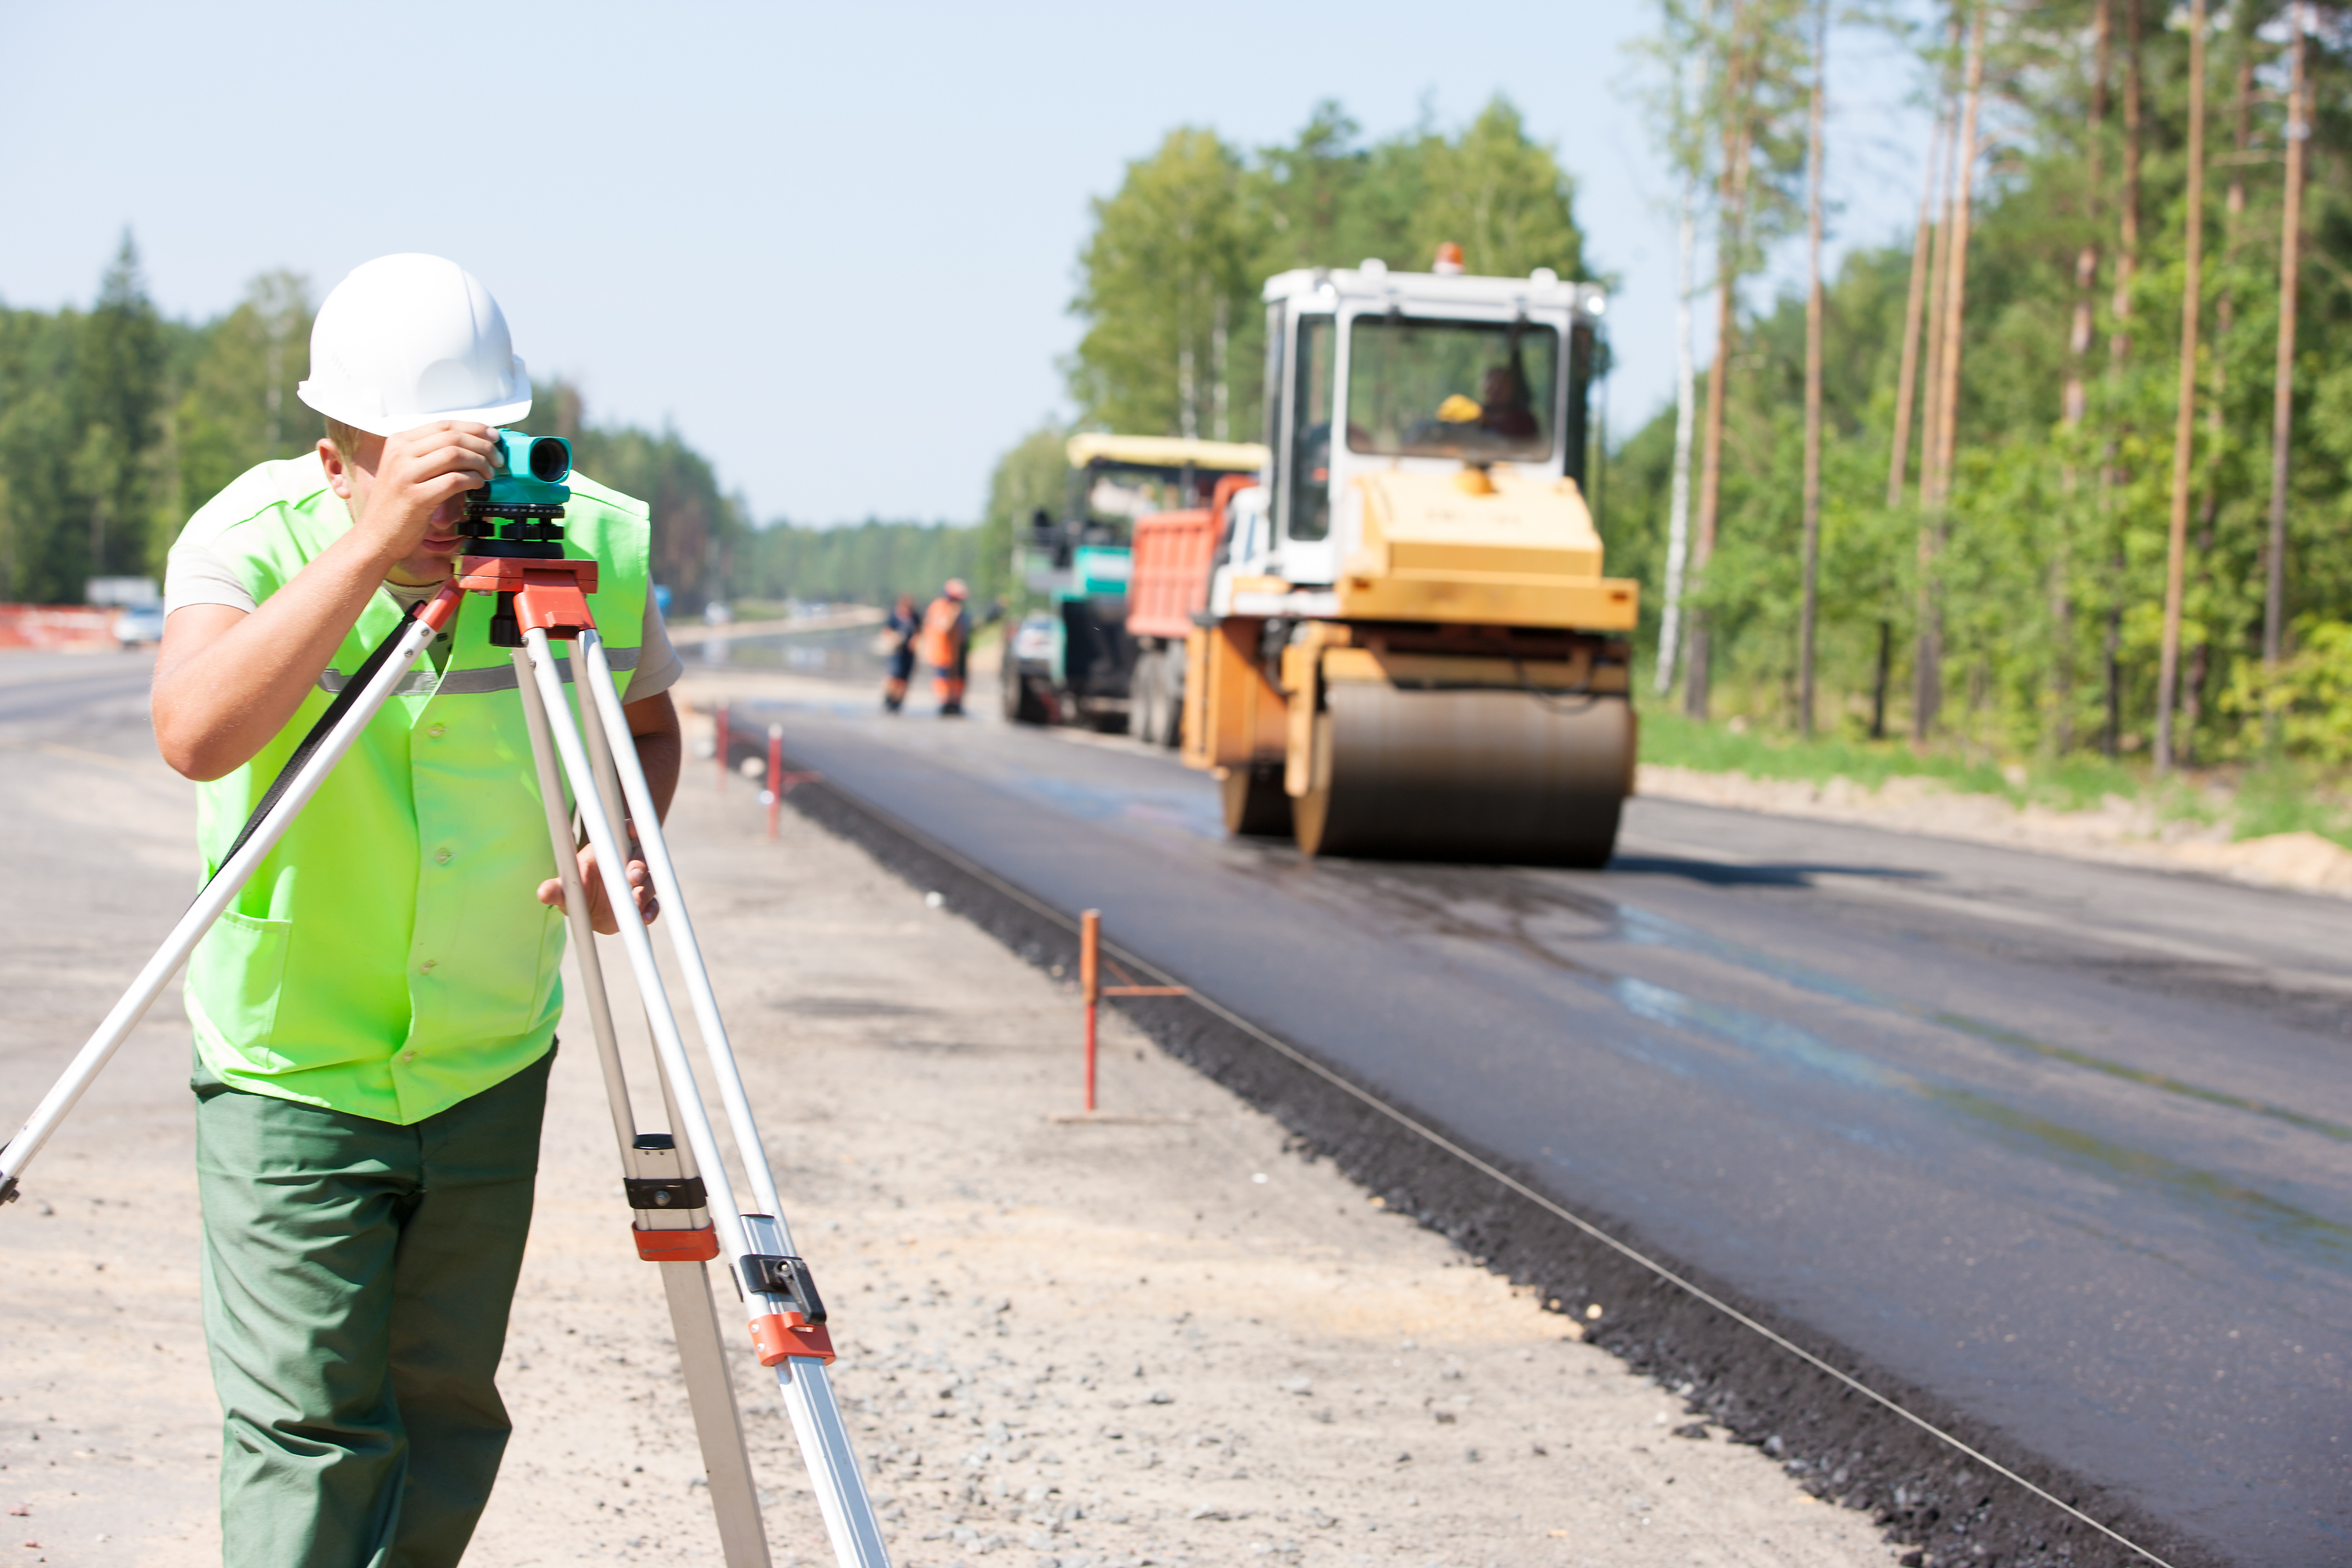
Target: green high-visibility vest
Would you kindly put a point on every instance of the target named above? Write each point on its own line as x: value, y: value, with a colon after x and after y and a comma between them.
x: 390, y: 957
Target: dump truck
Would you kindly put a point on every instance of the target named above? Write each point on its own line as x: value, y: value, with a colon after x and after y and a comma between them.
x: 1402, y: 644
x: 1168, y: 589
x: 1073, y: 661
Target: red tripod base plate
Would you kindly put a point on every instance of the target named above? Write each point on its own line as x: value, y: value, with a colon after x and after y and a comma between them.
x: 550, y: 597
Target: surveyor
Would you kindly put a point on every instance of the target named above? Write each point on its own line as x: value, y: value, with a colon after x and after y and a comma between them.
x: 899, y: 634
x: 946, y: 644
x: 375, y: 1015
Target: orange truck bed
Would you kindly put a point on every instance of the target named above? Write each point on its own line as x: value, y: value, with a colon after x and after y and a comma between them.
x: 1173, y: 551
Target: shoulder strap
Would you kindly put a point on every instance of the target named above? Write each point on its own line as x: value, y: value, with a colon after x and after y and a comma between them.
x: 345, y: 700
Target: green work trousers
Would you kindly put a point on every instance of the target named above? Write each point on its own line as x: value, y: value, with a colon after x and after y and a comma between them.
x: 357, y: 1278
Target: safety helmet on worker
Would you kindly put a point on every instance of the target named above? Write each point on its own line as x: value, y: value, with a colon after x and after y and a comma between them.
x: 412, y: 339
x: 956, y: 590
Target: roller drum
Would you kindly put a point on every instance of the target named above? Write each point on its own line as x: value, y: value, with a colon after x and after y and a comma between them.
x: 1481, y: 774
x: 1256, y: 806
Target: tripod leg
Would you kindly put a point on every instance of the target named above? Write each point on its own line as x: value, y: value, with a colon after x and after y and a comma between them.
x: 856, y: 1533
x: 575, y: 907
x: 694, y: 1321
x: 702, y: 1353
x: 226, y: 883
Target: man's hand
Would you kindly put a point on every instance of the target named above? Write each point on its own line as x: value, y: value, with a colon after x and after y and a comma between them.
x: 413, y: 499
x: 600, y: 906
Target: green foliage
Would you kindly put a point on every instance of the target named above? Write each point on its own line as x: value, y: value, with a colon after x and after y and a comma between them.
x: 1031, y: 476
x: 2051, y: 555
x: 1170, y: 278
x: 1166, y: 280
x: 870, y: 562
x: 698, y: 531
x: 2307, y: 699
x: 115, y: 424
x: 87, y: 481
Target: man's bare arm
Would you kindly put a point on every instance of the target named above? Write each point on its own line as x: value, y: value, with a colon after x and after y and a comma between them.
x: 661, y: 746
x: 226, y: 680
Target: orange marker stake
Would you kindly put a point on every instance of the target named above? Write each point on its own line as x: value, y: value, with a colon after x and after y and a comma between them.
x: 775, y: 775
x: 719, y: 716
x: 1090, y: 987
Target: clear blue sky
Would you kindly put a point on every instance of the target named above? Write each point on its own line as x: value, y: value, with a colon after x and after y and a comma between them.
x: 834, y: 245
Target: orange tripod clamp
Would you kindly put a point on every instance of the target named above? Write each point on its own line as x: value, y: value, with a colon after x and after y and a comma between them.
x: 547, y: 594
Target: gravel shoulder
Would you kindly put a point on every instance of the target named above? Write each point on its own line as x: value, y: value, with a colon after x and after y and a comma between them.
x: 2118, y: 832
x: 1161, y: 1337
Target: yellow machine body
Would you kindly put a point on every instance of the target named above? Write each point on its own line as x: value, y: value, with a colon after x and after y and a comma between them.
x: 1484, y: 547
x: 1461, y: 693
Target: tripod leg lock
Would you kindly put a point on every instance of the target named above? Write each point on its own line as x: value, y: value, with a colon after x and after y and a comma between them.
x: 677, y: 1245
x: 765, y: 1274
x: 676, y: 1193
x: 778, y: 1335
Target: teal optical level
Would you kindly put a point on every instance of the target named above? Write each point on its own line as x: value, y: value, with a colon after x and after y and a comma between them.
x: 521, y: 510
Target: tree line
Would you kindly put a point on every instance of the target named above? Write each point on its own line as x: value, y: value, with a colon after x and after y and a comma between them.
x: 116, y: 422
x: 2063, y: 470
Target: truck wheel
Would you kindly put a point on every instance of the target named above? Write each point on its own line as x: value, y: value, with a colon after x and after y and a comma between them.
x: 1023, y: 705
x: 1147, y: 697
x: 1256, y: 806
x: 1172, y: 703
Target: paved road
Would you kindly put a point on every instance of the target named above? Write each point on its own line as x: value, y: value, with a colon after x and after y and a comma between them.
x: 52, y: 692
x: 2068, y: 1144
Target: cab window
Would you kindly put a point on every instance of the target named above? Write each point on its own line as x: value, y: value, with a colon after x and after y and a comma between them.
x: 1479, y: 391
x: 1308, y: 506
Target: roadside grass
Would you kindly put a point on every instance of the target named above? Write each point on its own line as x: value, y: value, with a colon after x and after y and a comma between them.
x: 2251, y: 800
x: 1676, y: 740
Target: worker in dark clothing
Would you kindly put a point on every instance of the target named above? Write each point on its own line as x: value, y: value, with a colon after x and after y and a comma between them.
x: 945, y: 642
x: 901, y: 629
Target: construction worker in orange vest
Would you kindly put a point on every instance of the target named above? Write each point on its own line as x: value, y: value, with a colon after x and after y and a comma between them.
x: 945, y: 638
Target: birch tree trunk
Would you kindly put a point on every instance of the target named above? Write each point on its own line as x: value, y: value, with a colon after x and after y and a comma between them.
x: 1943, y: 429
x: 1898, y: 460
x: 2184, y: 425
x: 2118, y: 352
x: 2075, y: 399
x: 1812, y: 497
x: 2298, y: 133
x: 1685, y: 400
x: 1729, y: 229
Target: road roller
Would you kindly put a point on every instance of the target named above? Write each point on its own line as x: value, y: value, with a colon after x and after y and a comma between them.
x: 1402, y: 644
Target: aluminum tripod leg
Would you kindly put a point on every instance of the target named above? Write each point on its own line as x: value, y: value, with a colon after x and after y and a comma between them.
x: 116, y: 1027
x: 784, y: 1314
x: 694, y: 1320
x: 806, y: 1384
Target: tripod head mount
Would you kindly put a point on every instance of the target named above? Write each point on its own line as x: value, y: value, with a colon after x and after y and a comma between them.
x: 520, y: 514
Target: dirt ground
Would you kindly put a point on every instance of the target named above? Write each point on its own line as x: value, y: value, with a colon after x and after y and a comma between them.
x: 1156, y: 1337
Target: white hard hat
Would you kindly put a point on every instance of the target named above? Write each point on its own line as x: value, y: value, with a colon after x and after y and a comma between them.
x: 405, y: 340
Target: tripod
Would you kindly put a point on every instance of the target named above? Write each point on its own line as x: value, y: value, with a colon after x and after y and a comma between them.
x: 682, y: 1199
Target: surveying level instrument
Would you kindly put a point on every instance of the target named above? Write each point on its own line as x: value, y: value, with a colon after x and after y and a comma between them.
x: 684, y: 1209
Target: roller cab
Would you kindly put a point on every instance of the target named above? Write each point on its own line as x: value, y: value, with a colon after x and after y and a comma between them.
x: 1405, y: 645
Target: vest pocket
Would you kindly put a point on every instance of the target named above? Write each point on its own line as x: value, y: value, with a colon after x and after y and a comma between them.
x: 236, y: 975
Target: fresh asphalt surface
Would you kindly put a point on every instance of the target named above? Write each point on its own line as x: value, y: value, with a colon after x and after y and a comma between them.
x: 2069, y: 1145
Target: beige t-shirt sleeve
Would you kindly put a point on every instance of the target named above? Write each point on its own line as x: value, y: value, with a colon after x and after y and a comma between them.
x: 658, y: 666
x: 195, y: 576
